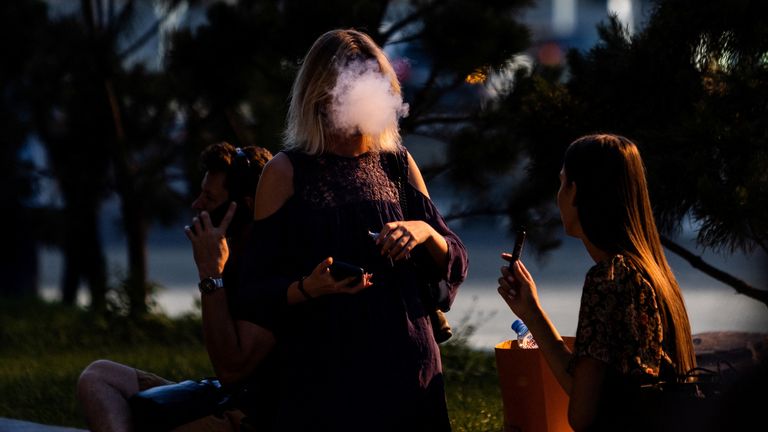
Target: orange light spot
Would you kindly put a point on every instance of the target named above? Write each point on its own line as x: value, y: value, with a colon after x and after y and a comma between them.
x: 478, y: 76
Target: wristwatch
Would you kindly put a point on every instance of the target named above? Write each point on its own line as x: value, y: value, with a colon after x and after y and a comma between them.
x: 210, y: 284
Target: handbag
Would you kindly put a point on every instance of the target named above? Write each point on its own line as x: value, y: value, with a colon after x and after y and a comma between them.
x: 166, y: 407
x: 689, y: 402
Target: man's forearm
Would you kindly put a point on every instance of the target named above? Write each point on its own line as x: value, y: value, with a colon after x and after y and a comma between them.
x: 235, y: 348
x: 220, y: 335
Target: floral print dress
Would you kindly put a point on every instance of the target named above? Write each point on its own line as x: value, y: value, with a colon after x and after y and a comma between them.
x: 619, y: 320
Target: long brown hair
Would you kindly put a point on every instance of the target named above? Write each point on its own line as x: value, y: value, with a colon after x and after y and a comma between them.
x: 615, y: 212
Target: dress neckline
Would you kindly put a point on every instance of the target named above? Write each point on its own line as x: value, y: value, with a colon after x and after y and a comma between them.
x: 343, y: 157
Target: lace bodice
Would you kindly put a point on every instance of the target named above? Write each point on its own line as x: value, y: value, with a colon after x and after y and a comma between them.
x: 330, y: 180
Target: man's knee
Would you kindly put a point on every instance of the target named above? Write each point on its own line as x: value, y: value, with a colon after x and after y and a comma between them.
x: 103, y: 373
x: 91, y: 375
x: 100, y: 370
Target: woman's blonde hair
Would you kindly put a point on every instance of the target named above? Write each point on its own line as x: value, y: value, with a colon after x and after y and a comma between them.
x: 615, y: 212
x: 307, y: 125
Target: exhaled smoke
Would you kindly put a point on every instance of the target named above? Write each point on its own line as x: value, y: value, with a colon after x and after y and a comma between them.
x: 363, y: 100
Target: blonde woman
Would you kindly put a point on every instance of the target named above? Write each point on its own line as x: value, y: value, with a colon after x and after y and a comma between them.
x: 354, y: 353
x: 633, y: 327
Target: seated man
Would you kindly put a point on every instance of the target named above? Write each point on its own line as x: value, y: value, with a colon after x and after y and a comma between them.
x: 218, y: 235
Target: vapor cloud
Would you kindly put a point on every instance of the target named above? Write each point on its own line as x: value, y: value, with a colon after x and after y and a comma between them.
x: 363, y: 100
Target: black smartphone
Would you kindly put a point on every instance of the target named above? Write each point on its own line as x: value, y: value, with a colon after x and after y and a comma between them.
x: 216, y: 215
x: 518, y: 250
x: 341, y: 270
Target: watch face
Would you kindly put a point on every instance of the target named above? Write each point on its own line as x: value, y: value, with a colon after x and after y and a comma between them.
x: 210, y: 284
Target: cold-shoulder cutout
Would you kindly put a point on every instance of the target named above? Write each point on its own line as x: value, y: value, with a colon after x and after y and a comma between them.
x: 275, y: 186
x: 414, y: 176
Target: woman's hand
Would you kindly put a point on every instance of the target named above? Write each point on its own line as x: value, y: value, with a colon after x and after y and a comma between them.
x: 209, y: 244
x: 398, y: 239
x: 517, y: 288
x: 320, y: 282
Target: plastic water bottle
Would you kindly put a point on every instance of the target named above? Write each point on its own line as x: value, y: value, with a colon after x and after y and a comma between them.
x: 524, y: 337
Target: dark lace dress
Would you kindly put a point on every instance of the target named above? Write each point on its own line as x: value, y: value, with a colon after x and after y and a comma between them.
x: 362, y: 362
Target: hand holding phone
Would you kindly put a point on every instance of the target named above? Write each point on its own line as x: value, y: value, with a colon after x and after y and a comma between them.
x: 216, y: 215
x: 518, y: 250
x: 341, y: 270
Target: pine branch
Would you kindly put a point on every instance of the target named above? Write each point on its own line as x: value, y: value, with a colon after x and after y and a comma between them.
x: 424, y: 101
x: 474, y: 212
x: 432, y: 171
x: 441, y: 119
x: 415, y: 16
x: 144, y: 38
x: 149, y: 33
x: 406, y: 39
x: 381, y: 13
x: 697, y: 262
x: 757, y: 237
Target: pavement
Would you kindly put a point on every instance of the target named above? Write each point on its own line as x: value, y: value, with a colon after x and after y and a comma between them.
x: 10, y: 425
x: 739, y: 351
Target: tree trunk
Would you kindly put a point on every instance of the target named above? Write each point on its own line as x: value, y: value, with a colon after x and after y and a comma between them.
x: 19, y: 260
x: 134, y: 219
x: 83, y: 255
x: 136, y: 236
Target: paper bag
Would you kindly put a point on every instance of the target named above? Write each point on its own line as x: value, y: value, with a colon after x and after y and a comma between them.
x: 532, y: 399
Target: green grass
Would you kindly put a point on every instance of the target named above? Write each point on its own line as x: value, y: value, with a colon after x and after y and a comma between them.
x: 44, y: 347
x: 472, y: 389
x: 41, y: 388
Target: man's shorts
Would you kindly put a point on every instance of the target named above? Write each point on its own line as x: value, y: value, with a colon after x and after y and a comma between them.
x: 229, y: 422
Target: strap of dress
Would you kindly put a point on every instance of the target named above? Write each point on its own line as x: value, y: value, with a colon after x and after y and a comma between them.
x: 299, y: 162
x: 397, y: 162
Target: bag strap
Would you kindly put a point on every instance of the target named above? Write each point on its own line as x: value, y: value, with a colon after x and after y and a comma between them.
x: 399, y: 176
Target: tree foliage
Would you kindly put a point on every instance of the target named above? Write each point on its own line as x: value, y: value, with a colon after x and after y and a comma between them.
x: 113, y: 126
x: 233, y: 74
x: 19, y: 27
x: 103, y: 124
x: 690, y: 89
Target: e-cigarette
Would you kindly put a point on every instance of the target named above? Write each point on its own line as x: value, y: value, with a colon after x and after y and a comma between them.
x: 518, y: 250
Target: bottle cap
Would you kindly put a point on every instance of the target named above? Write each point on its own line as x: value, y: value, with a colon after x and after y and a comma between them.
x: 519, y: 327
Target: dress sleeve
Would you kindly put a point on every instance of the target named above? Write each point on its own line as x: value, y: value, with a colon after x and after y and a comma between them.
x: 619, y: 321
x: 597, y: 312
x: 266, y: 272
x: 445, y: 281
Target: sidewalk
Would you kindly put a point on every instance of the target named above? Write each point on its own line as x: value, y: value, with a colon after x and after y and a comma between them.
x: 730, y: 349
x: 9, y: 425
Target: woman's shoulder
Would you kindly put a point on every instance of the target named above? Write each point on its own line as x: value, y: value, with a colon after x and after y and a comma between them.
x: 278, y: 169
x: 604, y: 269
x: 295, y: 155
x: 615, y: 270
x: 275, y: 186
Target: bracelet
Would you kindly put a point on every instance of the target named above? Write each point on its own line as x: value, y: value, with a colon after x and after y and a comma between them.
x: 302, y: 290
